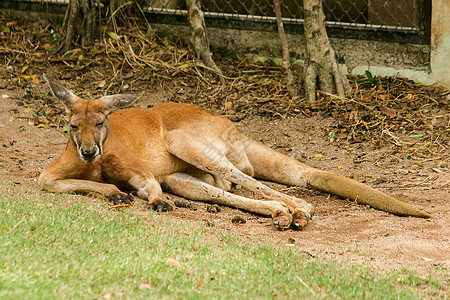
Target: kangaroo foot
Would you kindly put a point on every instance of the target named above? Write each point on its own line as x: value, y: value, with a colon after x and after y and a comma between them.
x: 117, y: 199
x: 281, y: 220
x: 301, y: 219
x: 160, y: 206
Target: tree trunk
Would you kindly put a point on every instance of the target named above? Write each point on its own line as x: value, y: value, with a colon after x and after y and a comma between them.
x: 321, y: 71
x: 80, y: 24
x: 285, y: 49
x: 198, y: 38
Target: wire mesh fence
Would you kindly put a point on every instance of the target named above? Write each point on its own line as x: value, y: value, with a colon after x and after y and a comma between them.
x: 370, y: 19
x: 391, y: 20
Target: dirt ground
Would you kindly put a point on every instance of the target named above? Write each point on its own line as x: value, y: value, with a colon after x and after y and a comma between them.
x: 339, y: 229
x: 31, y: 136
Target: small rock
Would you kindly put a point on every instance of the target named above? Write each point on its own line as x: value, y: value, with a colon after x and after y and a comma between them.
x: 382, y: 179
x: 402, y: 171
x: 238, y: 220
x: 213, y: 208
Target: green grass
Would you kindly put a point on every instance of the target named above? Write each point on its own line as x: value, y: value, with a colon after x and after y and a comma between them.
x: 66, y: 246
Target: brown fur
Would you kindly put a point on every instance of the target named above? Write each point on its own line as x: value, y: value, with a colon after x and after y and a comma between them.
x: 190, y: 152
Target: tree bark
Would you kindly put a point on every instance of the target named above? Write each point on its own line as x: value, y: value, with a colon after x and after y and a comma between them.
x: 80, y: 24
x: 285, y: 49
x: 322, y: 70
x: 198, y: 38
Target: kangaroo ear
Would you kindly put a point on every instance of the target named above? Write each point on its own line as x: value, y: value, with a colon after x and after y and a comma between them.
x: 67, y: 97
x: 118, y: 101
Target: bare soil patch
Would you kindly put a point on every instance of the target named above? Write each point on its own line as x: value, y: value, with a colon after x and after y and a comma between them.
x: 407, y: 156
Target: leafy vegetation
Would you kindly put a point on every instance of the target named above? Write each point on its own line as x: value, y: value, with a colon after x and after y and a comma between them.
x: 373, y: 81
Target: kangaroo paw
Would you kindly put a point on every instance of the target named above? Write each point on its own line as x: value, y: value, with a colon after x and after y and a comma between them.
x: 281, y: 220
x: 161, y: 206
x: 117, y: 199
x: 301, y: 219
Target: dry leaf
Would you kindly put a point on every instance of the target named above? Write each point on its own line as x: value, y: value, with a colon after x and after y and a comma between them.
x: 146, y: 286
x: 172, y: 261
x: 122, y: 206
x: 388, y: 111
x: 200, y: 286
x: 101, y: 84
x: 120, y: 293
x: 433, y: 121
x: 107, y: 296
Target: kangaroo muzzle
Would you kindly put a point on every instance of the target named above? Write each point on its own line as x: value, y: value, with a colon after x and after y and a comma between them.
x: 89, y: 154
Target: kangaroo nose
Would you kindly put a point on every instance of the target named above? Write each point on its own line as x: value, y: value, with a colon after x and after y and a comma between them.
x: 90, y: 153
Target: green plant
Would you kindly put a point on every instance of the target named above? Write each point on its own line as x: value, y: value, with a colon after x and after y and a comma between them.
x: 372, y: 81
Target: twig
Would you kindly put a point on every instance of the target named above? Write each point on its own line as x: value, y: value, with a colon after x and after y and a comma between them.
x: 397, y: 141
x: 410, y: 185
x: 21, y: 220
x: 17, y: 51
x: 346, y: 99
x: 305, y: 285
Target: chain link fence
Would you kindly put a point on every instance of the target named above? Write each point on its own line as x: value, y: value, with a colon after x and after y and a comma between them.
x: 404, y: 21
x: 393, y: 20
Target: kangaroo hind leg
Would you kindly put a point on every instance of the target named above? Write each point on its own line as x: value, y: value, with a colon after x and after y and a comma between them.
x: 193, y: 188
x: 211, y: 158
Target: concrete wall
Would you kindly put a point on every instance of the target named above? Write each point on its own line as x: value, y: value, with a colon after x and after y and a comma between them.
x: 440, y: 42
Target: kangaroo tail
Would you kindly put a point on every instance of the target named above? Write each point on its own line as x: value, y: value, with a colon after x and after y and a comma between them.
x: 271, y: 165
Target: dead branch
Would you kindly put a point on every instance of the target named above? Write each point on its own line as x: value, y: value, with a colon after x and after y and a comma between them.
x: 285, y: 49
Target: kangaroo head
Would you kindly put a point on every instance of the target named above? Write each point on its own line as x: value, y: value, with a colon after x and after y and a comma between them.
x: 88, y: 122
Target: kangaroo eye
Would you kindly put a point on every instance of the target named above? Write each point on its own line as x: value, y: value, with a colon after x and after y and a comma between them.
x: 99, y: 124
x: 73, y: 127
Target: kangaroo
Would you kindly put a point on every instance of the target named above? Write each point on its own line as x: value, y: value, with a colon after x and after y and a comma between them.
x: 186, y: 150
